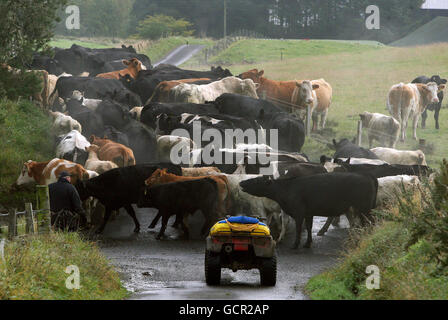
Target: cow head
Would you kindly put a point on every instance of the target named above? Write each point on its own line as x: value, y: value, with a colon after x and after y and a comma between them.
x: 26, y: 175
x: 303, y: 93
x: 438, y: 80
x: 154, y: 179
x: 257, y: 187
x: 365, y: 118
x: 249, y: 88
x: 135, y: 64
x: 430, y: 90
x: 93, y: 148
x: 253, y: 74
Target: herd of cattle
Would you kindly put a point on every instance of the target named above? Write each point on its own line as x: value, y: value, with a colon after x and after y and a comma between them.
x: 114, y: 120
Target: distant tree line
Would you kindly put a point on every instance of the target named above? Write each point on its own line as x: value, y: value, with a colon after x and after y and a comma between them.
x: 330, y: 19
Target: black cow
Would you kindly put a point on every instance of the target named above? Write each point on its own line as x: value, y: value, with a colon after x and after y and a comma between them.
x: 151, y: 111
x: 434, y: 106
x: 96, y: 88
x: 41, y: 62
x: 290, y: 130
x: 120, y: 188
x: 78, y: 59
x: 328, y: 195
x: 180, y: 199
x: 147, y: 80
x: 117, y: 136
x: 347, y: 149
x: 142, y: 141
x: 90, y: 121
x: 385, y: 170
x: 243, y: 106
x: 114, y: 114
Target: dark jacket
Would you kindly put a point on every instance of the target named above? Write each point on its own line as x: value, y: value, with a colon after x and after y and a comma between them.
x: 63, y: 195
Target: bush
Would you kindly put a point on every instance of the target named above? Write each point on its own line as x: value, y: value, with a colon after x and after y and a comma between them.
x: 154, y: 27
x: 18, y: 84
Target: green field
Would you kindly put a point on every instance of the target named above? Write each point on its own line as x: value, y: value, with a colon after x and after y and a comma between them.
x: 361, y: 79
x: 257, y: 51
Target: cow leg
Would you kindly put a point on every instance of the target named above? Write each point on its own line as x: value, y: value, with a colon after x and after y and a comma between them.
x: 185, y: 227
x: 155, y: 220
x: 414, y: 124
x: 165, y: 218
x: 131, y: 212
x: 106, y: 218
x: 424, y: 116
x: 436, y: 114
x: 299, y: 221
x: 323, y: 118
x: 283, y: 229
x: 326, y: 226
x: 315, y: 118
x: 309, y: 229
x: 177, y: 221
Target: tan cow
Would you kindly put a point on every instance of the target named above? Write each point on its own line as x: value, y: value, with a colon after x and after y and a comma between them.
x: 412, y: 98
x: 317, y: 94
x: 134, y: 66
x: 161, y: 176
x: 44, y: 173
x: 109, y: 150
x: 94, y: 163
x: 162, y: 93
x: 275, y: 91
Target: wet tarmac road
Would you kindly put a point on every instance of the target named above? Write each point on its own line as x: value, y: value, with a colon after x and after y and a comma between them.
x: 174, y: 269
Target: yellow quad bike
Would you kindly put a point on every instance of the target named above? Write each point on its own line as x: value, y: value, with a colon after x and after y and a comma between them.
x: 240, y: 243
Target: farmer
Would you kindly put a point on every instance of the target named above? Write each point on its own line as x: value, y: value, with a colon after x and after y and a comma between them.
x: 65, y: 205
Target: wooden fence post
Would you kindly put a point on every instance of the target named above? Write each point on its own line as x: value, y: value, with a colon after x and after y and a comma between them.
x: 359, y: 136
x: 43, y: 203
x: 12, y: 225
x: 308, y: 120
x: 29, y: 218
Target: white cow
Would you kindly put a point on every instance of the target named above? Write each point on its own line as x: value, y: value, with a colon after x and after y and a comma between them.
x: 382, y: 128
x: 72, y: 143
x: 394, y: 156
x: 194, y: 93
x: 173, y: 146
x: 92, y: 104
x: 63, y: 124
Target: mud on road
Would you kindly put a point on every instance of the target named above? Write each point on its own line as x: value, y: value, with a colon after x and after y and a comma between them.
x: 174, y: 268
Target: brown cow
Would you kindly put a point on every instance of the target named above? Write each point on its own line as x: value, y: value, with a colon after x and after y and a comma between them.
x: 163, y: 89
x: 413, y: 98
x: 134, y: 66
x: 109, y: 150
x: 278, y: 91
x: 161, y: 176
x: 318, y: 94
x: 44, y: 173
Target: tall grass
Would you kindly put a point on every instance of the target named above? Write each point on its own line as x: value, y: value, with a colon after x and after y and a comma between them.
x: 34, y: 268
x: 25, y: 134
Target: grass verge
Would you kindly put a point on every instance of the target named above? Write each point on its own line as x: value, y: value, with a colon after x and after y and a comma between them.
x: 34, y: 268
x: 25, y: 132
x: 408, y: 245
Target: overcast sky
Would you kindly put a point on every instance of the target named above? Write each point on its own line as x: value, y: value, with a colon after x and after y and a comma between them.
x: 435, y: 4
